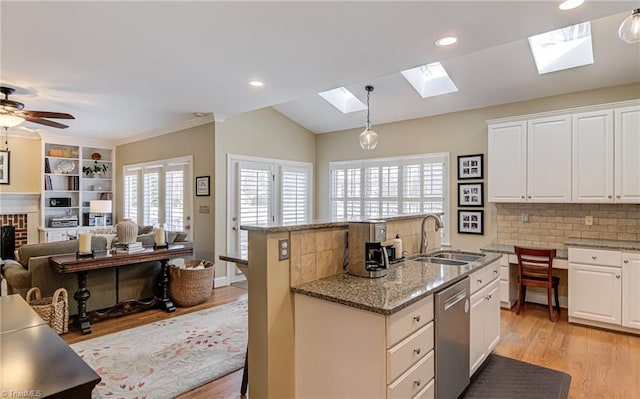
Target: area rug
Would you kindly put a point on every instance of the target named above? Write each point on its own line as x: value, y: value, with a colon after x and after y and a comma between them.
x: 169, y: 357
x: 502, y: 377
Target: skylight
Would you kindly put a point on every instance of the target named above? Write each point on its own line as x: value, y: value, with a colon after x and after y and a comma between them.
x: 430, y: 80
x: 564, y: 48
x: 343, y: 99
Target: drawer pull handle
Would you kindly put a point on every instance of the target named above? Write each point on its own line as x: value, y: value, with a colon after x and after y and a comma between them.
x: 479, y: 281
x: 617, y: 276
x: 416, y: 351
x: 495, y: 272
x: 608, y: 196
x: 417, y: 318
x: 626, y: 261
x: 418, y: 382
x: 594, y: 257
x: 617, y: 196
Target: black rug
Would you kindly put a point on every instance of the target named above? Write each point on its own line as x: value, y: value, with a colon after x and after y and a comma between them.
x: 502, y: 377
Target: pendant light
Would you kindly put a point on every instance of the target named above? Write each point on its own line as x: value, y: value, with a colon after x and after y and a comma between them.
x: 630, y: 28
x: 368, y: 138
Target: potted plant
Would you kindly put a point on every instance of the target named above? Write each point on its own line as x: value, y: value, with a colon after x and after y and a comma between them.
x: 95, y: 169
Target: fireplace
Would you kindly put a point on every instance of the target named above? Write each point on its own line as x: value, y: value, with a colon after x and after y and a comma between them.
x: 18, y: 222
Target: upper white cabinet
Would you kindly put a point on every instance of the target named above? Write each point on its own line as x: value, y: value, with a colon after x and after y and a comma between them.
x: 583, y: 155
x: 592, y: 135
x: 627, y: 154
x: 548, y: 166
x: 508, y: 162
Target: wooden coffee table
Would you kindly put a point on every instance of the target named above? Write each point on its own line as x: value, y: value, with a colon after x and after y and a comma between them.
x: 66, y: 264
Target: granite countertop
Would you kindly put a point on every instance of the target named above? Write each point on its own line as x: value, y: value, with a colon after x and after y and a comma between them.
x: 405, y: 283
x: 509, y: 250
x: 603, y: 244
x: 326, y: 224
x: 235, y: 258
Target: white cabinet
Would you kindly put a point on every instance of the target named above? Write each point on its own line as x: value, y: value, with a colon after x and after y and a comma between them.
x: 508, y: 281
x: 627, y: 148
x: 508, y: 162
x: 592, y: 172
x: 595, y: 285
x: 341, y: 351
x: 549, y: 159
x: 528, y: 161
x: 485, y: 316
x: 631, y: 290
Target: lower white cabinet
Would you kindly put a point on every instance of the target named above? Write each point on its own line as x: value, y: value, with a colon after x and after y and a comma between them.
x: 631, y: 290
x: 344, y: 352
x: 603, y: 288
x: 485, y: 316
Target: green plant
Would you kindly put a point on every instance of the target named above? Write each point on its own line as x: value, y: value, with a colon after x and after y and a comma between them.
x: 95, y: 168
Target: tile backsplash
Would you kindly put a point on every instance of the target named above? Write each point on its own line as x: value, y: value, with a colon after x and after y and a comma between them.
x: 549, y: 225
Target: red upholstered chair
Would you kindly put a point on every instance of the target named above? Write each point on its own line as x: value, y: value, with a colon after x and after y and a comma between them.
x: 534, y: 269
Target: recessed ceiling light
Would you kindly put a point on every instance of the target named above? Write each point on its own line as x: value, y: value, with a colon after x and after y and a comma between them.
x: 446, y: 41
x: 256, y: 83
x: 570, y: 4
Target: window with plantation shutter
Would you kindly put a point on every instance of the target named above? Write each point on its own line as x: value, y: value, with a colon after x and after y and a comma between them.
x: 376, y: 188
x: 159, y: 193
x: 265, y: 192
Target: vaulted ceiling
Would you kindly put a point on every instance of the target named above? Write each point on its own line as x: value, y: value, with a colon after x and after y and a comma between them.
x: 125, y: 69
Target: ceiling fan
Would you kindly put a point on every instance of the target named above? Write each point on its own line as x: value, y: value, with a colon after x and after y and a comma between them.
x: 12, y: 113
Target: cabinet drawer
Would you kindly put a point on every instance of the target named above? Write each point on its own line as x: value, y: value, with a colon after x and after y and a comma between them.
x: 428, y: 392
x: 402, y: 356
x: 485, y: 275
x: 595, y: 257
x: 408, y: 320
x: 412, y: 382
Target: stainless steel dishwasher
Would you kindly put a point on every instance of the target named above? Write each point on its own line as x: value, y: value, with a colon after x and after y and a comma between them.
x: 452, y: 340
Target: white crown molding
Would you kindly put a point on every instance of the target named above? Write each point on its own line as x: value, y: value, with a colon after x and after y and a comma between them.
x: 198, y: 121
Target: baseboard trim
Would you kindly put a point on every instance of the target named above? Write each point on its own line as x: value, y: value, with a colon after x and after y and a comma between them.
x: 541, y: 298
x: 221, y: 282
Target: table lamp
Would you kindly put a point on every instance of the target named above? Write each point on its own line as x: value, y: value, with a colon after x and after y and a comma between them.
x: 100, y: 207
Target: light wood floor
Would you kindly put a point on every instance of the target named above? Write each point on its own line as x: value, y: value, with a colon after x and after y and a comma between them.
x: 603, y: 364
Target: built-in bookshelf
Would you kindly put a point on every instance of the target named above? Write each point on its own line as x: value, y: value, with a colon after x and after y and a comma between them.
x: 73, y: 176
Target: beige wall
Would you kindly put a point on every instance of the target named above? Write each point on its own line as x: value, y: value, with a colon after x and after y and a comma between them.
x: 458, y: 133
x: 196, y: 141
x: 262, y: 133
x: 24, y: 166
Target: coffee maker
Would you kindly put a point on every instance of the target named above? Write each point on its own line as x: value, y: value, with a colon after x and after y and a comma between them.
x: 367, y: 256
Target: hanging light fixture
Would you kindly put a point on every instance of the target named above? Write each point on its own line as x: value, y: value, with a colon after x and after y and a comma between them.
x: 8, y: 120
x: 368, y: 138
x: 630, y: 28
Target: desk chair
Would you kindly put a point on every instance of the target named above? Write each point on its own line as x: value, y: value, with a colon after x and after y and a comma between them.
x: 534, y: 269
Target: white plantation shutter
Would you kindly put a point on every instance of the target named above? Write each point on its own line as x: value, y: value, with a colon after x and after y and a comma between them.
x: 151, y: 196
x: 131, y: 195
x: 159, y: 193
x: 174, y: 198
x: 382, y: 187
x: 295, y: 206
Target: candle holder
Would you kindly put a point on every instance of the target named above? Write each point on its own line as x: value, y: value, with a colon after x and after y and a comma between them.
x: 80, y: 255
x: 165, y: 246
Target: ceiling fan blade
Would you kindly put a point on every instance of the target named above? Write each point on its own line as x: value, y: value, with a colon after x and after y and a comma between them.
x: 46, y: 122
x: 45, y: 114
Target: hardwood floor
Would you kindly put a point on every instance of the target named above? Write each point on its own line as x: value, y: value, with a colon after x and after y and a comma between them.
x: 602, y: 364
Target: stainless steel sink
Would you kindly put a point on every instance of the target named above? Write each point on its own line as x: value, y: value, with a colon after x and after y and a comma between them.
x: 458, y: 256
x: 441, y: 261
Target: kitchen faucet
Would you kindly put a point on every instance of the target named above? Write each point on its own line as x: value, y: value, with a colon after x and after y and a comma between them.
x: 424, y: 242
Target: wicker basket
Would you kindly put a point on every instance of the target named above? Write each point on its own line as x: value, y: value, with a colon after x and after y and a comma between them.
x: 54, y: 310
x: 189, y: 287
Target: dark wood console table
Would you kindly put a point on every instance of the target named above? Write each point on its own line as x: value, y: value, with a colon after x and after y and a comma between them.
x: 35, y: 361
x: 104, y: 259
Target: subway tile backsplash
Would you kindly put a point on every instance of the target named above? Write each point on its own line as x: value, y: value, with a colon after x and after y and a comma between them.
x: 551, y: 224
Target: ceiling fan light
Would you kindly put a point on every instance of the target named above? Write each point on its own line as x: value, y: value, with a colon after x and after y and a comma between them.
x: 10, y: 120
x: 630, y: 28
x: 368, y: 139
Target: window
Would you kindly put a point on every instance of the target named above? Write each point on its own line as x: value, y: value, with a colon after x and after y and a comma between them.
x: 388, y: 186
x: 264, y: 192
x: 159, y: 193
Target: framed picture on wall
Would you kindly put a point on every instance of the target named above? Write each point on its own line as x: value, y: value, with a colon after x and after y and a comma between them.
x: 4, y: 167
x: 470, y: 166
x: 470, y: 194
x: 202, y: 186
x: 470, y: 222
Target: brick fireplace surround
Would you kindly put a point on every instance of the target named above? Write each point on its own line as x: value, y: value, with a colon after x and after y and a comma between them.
x: 21, y: 211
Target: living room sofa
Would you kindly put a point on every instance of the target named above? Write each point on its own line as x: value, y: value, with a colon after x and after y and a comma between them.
x: 135, y: 281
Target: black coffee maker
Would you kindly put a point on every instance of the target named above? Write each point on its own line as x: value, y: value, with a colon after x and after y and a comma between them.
x: 367, y: 256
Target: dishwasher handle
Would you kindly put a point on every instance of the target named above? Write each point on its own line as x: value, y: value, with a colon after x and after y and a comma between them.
x: 449, y: 303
